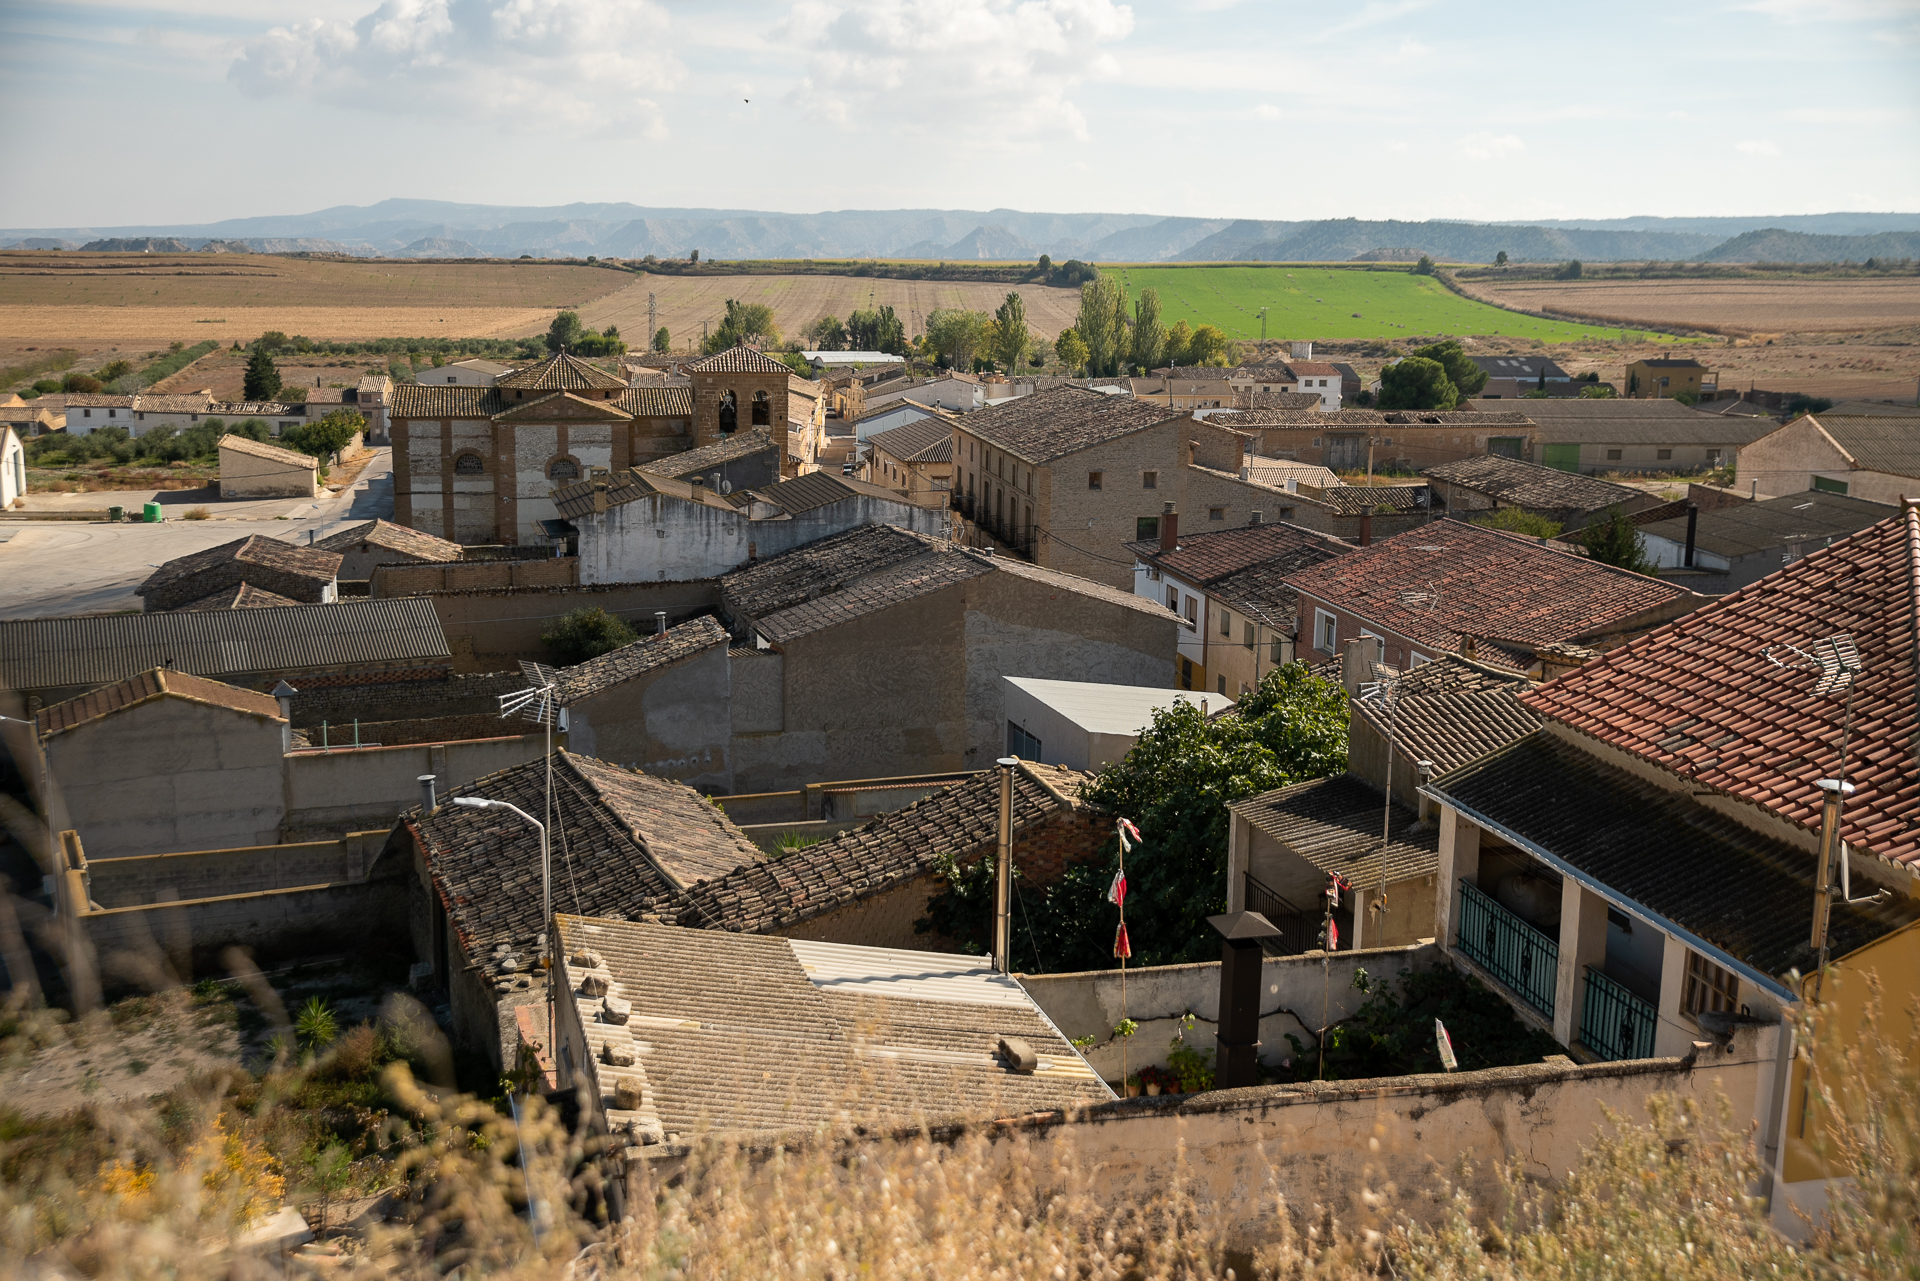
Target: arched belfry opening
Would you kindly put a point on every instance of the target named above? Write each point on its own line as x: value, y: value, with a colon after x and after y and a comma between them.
x: 729, y: 412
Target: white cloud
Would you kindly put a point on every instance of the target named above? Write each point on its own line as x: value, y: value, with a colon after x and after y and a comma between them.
x: 1266, y: 111
x: 1489, y: 146
x: 569, y: 64
x: 981, y: 68
x: 1756, y: 147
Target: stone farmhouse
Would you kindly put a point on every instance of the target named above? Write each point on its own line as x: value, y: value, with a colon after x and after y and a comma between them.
x: 303, y: 575
x: 1875, y: 457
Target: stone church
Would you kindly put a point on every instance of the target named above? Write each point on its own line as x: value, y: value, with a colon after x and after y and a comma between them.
x: 479, y: 464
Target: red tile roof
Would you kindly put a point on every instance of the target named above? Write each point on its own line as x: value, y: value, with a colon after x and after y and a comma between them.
x: 738, y: 360
x: 1207, y: 555
x: 145, y: 688
x: 1440, y: 582
x: 1699, y: 697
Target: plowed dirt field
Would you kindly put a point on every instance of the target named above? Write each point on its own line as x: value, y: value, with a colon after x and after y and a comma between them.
x: 1737, y: 307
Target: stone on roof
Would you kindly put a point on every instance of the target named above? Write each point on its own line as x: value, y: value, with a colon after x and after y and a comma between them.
x: 744, y: 1036
x: 1449, y: 579
x: 1206, y: 557
x: 271, y: 453
x: 148, y: 687
x: 739, y: 360
x: 692, y: 462
x: 256, y: 408
x: 1522, y: 484
x: 1700, y: 698
x: 647, y: 654
x: 1062, y: 420
x: 1334, y: 824
x: 255, y: 549
x: 241, y: 596
x: 388, y: 536
x: 1812, y: 518
x: 1341, y: 420
x: 1707, y: 873
x: 193, y: 402
x: 561, y: 372
x: 885, y: 853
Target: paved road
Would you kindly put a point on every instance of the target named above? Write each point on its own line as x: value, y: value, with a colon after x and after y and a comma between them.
x: 61, y: 567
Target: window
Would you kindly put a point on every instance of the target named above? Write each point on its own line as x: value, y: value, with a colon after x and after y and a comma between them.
x: 1022, y: 744
x: 1709, y: 988
x: 1325, y: 628
x: 1613, y: 455
x: 1146, y: 527
x: 1276, y: 651
x: 729, y: 412
x: 1149, y: 480
x: 469, y: 465
x: 1247, y: 635
x: 1226, y: 622
x: 1173, y: 598
x: 1223, y: 684
x: 1186, y: 673
x: 1094, y: 478
x: 563, y: 469
x: 1827, y: 486
x: 1419, y: 660
x: 762, y: 409
x: 1664, y: 454
x: 1216, y: 513
x: 1193, y: 613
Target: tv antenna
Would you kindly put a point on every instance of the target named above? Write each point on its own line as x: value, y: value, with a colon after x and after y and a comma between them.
x: 1384, y: 693
x: 1837, y: 660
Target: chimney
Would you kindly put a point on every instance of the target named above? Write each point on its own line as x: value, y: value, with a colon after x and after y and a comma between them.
x: 1253, y: 517
x: 427, y: 801
x: 1169, y: 528
x: 1246, y: 472
x: 1357, y: 658
x: 660, y: 622
x: 1693, y: 526
x: 310, y: 535
x: 1238, y: 1032
x: 1366, y: 529
x: 284, y: 693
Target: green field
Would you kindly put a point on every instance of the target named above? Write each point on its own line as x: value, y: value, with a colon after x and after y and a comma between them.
x: 1319, y: 303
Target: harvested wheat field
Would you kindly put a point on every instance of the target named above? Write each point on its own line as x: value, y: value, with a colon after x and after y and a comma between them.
x: 143, y: 298
x: 1737, y: 307
x: 685, y: 302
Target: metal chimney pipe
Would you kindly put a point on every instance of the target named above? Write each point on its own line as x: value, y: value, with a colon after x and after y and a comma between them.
x: 1003, y: 879
x: 1169, y: 528
x: 427, y: 801
x: 1693, y: 526
x: 1238, y: 1037
x: 660, y: 622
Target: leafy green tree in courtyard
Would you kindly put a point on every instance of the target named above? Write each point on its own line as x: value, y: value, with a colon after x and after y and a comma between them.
x: 1614, y: 540
x: 1175, y: 784
x: 1467, y: 378
x: 1417, y: 383
x: 827, y: 334
x: 1209, y: 346
x: 1179, y: 340
x: 1011, y: 335
x: 1071, y: 350
x: 263, y: 376
x: 587, y: 632
x: 1519, y: 521
x: 1149, y: 335
x: 957, y: 335
x: 877, y: 330
x: 327, y: 437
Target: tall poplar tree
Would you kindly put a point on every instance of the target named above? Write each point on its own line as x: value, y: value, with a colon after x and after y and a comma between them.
x: 1149, y: 335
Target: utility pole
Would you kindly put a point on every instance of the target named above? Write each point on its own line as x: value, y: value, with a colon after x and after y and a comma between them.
x: 1003, y: 880
x: 653, y: 318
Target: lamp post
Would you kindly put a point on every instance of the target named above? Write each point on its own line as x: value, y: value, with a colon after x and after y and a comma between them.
x: 546, y: 905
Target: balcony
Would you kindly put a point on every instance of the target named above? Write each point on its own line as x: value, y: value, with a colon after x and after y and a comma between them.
x: 1299, y: 931
x: 1614, y: 1023
x: 1509, y: 949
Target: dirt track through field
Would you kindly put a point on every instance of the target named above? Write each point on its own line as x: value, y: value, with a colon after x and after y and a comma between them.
x: 797, y: 301
x: 1738, y: 307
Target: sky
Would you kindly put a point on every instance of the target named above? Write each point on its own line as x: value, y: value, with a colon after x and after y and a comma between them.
x: 196, y: 110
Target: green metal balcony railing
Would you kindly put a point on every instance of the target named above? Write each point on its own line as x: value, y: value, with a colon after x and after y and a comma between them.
x: 1614, y: 1023
x: 1508, y: 948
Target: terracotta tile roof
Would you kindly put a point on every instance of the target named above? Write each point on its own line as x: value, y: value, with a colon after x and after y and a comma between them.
x: 388, y: 536
x: 1488, y: 584
x: 1276, y: 472
x: 1527, y: 367
x: 908, y: 441
x: 1294, y: 402
x: 1453, y: 729
x: 887, y: 852
x: 271, y: 453
x: 1699, y: 697
x: 1522, y: 484
x: 257, y: 408
x: 1880, y: 442
x: 694, y: 461
x: 822, y: 489
x: 1334, y: 824
x: 1352, y: 420
x: 1312, y: 369
x: 576, y: 498
x: 97, y: 400
x: 929, y: 572
x: 241, y: 596
x: 413, y: 400
x: 657, y: 402
x: 1750, y: 896
x: 1358, y: 500
x: 1052, y: 424
x: 1209, y: 555
x: 647, y: 654
x: 254, y: 549
x: 818, y: 568
x: 1809, y: 519
x: 195, y: 402
x: 739, y: 360
x: 561, y: 372
x: 145, y: 688
x: 1452, y: 674
x: 742, y: 1036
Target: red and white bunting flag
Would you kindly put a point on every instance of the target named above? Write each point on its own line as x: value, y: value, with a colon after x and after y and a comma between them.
x: 1333, y: 935
x: 1129, y: 834
x: 1117, y: 892
x: 1445, y: 1042
x: 1121, y: 947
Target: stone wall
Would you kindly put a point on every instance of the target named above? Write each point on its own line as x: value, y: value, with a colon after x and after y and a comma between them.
x: 490, y: 630
x: 475, y: 694
x: 418, y: 579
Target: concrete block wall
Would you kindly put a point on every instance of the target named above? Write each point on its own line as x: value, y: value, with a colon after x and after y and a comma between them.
x: 166, y: 878
x: 370, y: 786
x: 417, y: 579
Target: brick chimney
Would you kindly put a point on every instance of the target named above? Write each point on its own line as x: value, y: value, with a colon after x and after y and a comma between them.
x: 1169, y: 528
x: 1366, y: 529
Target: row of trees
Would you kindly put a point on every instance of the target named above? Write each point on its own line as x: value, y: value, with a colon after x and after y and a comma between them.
x: 876, y: 329
x: 1106, y: 340
x: 567, y: 334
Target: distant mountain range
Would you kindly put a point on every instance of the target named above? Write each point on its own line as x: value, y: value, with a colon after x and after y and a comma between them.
x: 442, y: 229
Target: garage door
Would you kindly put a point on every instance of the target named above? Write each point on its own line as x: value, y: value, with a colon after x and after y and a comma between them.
x: 1563, y: 457
x: 1346, y: 453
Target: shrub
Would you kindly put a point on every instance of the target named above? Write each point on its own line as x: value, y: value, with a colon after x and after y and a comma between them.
x: 197, y: 513
x: 587, y: 632
x: 47, y: 386
x: 80, y: 384
x: 316, y: 1025
x: 1518, y: 521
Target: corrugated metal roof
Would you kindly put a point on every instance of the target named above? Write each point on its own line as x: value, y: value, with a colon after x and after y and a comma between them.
x: 41, y: 653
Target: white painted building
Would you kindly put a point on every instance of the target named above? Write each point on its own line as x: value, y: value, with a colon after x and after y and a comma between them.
x: 463, y: 373
x: 1084, y: 725
x: 13, y: 467
x: 88, y: 412
x: 956, y: 393
x: 828, y: 362
x: 178, y: 411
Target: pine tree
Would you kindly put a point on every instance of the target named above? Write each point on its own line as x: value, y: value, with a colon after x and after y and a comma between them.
x: 1613, y: 540
x: 263, y: 376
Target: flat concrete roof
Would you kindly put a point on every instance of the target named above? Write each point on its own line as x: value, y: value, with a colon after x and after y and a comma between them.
x: 1113, y: 709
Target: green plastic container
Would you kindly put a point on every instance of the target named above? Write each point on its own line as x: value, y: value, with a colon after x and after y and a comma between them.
x: 116, y: 514
x: 152, y: 513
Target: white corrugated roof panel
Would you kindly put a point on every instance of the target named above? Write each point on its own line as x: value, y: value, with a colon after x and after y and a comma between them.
x: 896, y: 972
x: 1113, y: 709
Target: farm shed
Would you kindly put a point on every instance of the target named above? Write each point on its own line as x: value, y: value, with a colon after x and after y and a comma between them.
x: 251, y: 469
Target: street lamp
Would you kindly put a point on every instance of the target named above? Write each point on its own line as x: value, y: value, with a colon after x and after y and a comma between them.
x: 546, y: 906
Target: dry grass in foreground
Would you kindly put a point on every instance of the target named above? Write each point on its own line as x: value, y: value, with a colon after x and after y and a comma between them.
x: 162, y: 1193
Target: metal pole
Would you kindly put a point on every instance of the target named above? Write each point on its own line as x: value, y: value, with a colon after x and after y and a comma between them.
x: 1003, y: 881
x: 1832, y: 790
